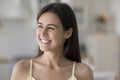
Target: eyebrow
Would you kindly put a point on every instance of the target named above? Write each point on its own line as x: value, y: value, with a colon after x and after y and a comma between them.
x: 39, y: 23
x: 47, y: 24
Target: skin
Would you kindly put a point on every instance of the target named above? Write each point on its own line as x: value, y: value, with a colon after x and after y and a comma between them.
x: 117, y: 77
x: 51, y: 65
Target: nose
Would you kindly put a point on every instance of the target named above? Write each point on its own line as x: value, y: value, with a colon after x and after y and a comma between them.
x: 44, y: 32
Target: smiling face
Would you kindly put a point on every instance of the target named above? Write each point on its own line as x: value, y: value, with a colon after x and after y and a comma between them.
x: 50, y: 33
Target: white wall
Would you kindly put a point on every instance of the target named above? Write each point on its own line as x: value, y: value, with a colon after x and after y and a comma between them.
x: 104, y: 49
x: 115, y: 9
x: 17, y: 38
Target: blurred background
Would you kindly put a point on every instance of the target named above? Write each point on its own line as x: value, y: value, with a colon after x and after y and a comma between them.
x: 99, y: 34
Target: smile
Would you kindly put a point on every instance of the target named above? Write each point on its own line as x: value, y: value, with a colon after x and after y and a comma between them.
x: 45, y: 41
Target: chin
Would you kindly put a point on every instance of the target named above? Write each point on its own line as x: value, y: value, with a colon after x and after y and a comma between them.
x: 44, y: 49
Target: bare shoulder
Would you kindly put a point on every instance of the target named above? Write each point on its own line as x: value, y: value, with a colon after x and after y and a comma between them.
x: 20, y: 70
x: 22, y: 63
x: 83, y: 72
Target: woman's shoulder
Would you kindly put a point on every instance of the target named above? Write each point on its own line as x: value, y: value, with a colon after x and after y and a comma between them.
x: 84, y: 72
x: 20, y: 69
x: 22, y: 64
x: 82, y: 66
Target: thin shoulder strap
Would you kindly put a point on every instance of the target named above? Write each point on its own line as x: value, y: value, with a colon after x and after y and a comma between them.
x: 73, y: 70
x: 31, y: 67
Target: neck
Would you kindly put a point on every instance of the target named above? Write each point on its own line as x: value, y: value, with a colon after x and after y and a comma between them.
x: 53, y: 59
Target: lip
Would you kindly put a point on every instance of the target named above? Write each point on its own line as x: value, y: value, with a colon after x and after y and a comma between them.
x: 45, y: 41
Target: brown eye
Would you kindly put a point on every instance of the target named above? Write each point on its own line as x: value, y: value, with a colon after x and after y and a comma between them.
x: 51, y: 28
x: 40, y: 26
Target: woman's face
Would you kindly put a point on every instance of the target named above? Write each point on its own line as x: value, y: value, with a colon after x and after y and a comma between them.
x: 50, y: 33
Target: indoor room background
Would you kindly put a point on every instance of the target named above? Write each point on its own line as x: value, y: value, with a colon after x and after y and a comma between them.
x: 99, y: 34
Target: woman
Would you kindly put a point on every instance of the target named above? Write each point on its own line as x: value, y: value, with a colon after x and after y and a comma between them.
x: 59, y: 56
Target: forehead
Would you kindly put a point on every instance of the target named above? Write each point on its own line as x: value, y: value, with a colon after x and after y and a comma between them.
x: 49, y: 17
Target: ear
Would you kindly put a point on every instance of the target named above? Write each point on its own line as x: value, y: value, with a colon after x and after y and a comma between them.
x: 68, y: 33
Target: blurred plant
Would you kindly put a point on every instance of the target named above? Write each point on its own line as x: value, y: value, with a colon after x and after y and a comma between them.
x: 101, y: 22
x: 103, y: 18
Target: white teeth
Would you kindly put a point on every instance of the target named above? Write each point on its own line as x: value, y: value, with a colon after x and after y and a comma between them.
x: 45, y: 41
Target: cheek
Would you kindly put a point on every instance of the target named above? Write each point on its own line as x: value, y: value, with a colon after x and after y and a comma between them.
x: 37, y: 35
x: 37, y: 32
x: 58, y: 37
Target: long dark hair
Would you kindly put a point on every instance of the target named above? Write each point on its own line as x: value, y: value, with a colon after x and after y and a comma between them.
x: 68, y: 20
